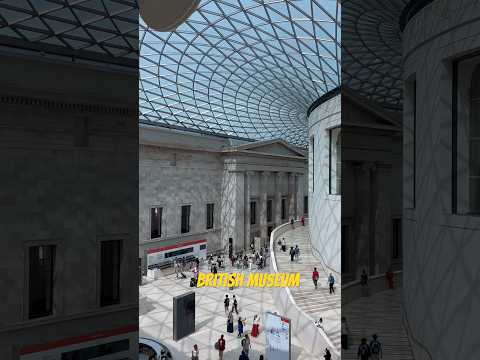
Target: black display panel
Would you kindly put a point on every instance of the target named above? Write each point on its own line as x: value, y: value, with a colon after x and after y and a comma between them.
x: 183, y: 315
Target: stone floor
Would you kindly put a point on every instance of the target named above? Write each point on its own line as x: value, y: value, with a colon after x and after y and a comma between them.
x: 378, y: 314
x: 316, y: 303
x: 156, y: 306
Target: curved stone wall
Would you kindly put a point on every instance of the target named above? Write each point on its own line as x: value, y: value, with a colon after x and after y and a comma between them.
x: 441, y: 247
x: 324, y: 208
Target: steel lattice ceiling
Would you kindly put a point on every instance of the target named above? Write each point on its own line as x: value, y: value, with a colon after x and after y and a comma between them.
x: 90, y: 29
x: 372, y: 49
x: 244, y: 68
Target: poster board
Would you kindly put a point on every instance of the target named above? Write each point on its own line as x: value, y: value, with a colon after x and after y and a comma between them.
x: 278, y: 337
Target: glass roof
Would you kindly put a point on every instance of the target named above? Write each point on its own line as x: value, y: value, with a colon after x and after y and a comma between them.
x: 92, y: 29
x: 372, y: 49
x: 243, y: 68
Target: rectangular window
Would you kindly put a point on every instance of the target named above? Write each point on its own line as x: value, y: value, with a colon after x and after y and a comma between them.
x: 203, y: 247
x: 253, y: 212
x: 284, y: 209
x: 110, y: 255
x: 312, y: 158
x: 305, y: 205
x: 40, y: 282
x: 269, y: 210
x: 156, y: 222
x: 334, y: 161
x: 179, y: 252
x: 185, y: 221
x: 466, y: 136
x: 210, y: 208
x: 396, y: 238
x: 93, y: 352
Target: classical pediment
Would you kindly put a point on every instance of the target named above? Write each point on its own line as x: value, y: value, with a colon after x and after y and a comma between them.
x: 270, y: 147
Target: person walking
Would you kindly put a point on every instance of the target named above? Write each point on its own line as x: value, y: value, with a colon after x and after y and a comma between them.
x: 220, y: 346
x: 315, y: 277
x: 235, y: 305
x: 319, y: 323
x: 363, y: 352
x: 243, y: 356
x: 246, y: 344
x: 297, y: 252
x: 292, y: 253
x: 240, y: 326
x: 331, y: 282
x: 291, y: 223
x: 195, y: 352
x: 376, y: 348
x: 327, y: 355
x: 214, y: 269
x: 364, y: 283
x: 345, y: 332
x: 226, y: 303
x: 303, y: 220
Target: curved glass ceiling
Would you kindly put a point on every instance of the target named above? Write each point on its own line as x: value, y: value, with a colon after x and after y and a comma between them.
x: 97, y: 30
x: 243, y: 68
x: 372, y: 49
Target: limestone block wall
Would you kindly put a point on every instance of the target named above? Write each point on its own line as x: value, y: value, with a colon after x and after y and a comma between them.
x: 440, y: 248
x: 69, y: 187
x: 324, y: 209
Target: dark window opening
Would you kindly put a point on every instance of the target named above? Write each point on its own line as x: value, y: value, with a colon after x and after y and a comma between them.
x: 345, y: 249
x: 253, y: 212
x: 40, y: 284
x: 269, y: 210
x: 284, y: 209
x: 185, y: 219
x: 305, y: 205
x: 156, y: 222
x: 397, y: 238
x: 203, y: 247
x: 178, y: 252
x: 110, y: 272
x: 210, y: 208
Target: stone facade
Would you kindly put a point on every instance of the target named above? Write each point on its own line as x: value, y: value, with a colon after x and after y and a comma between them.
x: 185, y: 168
x: 69, y: 179
x: 440, y: 242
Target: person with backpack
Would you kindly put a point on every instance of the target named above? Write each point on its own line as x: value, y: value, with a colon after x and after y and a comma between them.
x: 220, y: 346
x: 315, y: 277
x: 331, y: 282
x: 376, y: 348
x: 363, y: 352
x: 226, y: 303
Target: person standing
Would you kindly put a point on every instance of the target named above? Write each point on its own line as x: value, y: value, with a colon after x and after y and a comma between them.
x: 364, y: 283
x: 255, y: 326
x: 195, y: 352
x: 292, y: 253
x: 297, y: 252
x: 345, y: 333
x: 363, y: 352
x: 331, y: 282
x: 291, y: 223
x: 230, y: 323
x: 246, y: 344
x: 376, y: 348
x: 243, y: 356
x: 226, y: 303
x: 327, y: 355
x: 303, y: 220
x: 315, y: 277
x: 220, y: 345
x: 240, y: 326
x: 389, y: 278
x: 235, y: 305
x: 214, y: 269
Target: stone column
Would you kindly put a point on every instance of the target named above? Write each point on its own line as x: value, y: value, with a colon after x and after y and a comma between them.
x: 300, y: 184
x: 278, y: 198
x: 291, y: 195
x: 263, y: 207
x: 248, y: 191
